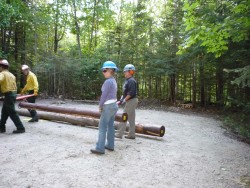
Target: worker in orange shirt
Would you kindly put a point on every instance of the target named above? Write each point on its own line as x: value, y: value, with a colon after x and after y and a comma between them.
x: 32, y: 88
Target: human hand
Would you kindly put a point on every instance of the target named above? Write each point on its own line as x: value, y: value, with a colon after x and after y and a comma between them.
x: 120, y: 102
x: 100, y: 109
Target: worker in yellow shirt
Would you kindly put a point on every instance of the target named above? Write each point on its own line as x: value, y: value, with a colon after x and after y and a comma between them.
x: 8, y: 88
x: 32, y: 88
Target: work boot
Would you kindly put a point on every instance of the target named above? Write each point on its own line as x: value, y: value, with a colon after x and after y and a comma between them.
x: 110, y: 149
x: 34, y: 119
x: 19, y: 131
x: 118, y: 136
x: 130, y: 137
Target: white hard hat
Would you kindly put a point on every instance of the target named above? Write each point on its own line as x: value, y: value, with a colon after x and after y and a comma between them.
x: 24, y: 67
x: 4, y: 62
x: 129, y: 67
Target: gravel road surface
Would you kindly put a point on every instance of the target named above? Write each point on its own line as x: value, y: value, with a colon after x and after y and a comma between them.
x: 194, y: 152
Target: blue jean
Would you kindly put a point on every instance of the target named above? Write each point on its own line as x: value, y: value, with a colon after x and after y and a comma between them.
x: 106, y: 127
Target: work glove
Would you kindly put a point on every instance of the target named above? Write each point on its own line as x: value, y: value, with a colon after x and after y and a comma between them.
x: 35, y: 93
x: 120, y: 102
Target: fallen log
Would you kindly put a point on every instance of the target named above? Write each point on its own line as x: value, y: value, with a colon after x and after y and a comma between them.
x: 88, y: 121
x: 121, y: 117
x: 75, y: 120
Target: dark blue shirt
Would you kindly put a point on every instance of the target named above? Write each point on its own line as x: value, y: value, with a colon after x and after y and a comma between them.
x: 130, y: 88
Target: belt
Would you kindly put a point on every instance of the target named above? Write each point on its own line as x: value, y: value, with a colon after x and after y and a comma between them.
x: 133, y: 98
x: 110, y: 101
x: 10, y: 92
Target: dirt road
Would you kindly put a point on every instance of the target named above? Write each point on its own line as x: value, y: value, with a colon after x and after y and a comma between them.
x: 193, y: 153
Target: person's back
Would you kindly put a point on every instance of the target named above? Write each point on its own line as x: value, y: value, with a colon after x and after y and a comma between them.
x: 32, y: 83
x: 8, y: 88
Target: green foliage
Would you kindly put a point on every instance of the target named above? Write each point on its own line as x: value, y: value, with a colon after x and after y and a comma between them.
x: 239, y: 124
x: 243, y: 80
x: 210, y: 36
x: 8, y: 11
x: 215, y: 24
x: 246, y: 108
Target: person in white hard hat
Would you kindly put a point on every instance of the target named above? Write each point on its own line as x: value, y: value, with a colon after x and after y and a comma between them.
x: 129, y: 98
x: 9, y: 88
x: 31, y: 87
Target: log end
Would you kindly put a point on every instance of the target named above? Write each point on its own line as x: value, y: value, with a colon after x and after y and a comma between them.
x: 124, y: 117
x: 162, y: 131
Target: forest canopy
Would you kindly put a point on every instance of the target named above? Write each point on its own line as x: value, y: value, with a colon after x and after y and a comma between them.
x: 191, y: 51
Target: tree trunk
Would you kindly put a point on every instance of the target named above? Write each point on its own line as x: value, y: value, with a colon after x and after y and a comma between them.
x: 56, y: 41
x: 184, y: 87
x: 77, y: 30
x: 202, y: 84
x: 194, y: 85
x: 16, y: 44
x: 219, y: 84
x: 150, y: 87
x: 160, y: 88
x: 23, y: 45
x: 93, y: 25
x: 57, y: 36
x: 172, y: 89
x: 3, y: 38
x: 7, y: 43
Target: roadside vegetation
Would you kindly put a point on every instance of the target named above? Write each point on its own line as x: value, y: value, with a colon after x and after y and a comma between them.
x: 194, y: 54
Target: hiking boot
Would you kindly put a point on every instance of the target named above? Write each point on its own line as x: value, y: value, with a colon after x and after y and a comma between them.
x: 130, y: 137
x: 118, y: 136
x: 31, y: 120
x: 19, y: 131
x: 96, y: 152
x: 34, y: 119
x: 109, y: 148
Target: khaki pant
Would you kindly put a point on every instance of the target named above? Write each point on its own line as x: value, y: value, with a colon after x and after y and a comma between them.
x: 130, y: 110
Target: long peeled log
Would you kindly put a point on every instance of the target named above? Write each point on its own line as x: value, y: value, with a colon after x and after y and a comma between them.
x: 87, y: 121
x: 23, y: 97
x: 74, y: 120
x: 121, y: 117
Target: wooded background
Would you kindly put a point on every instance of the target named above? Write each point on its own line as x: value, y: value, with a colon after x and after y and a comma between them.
x: 194, y: 51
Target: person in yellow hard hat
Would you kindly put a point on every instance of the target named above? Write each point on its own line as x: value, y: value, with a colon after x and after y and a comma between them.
x: 8, y: 88
x: 32, y: 88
